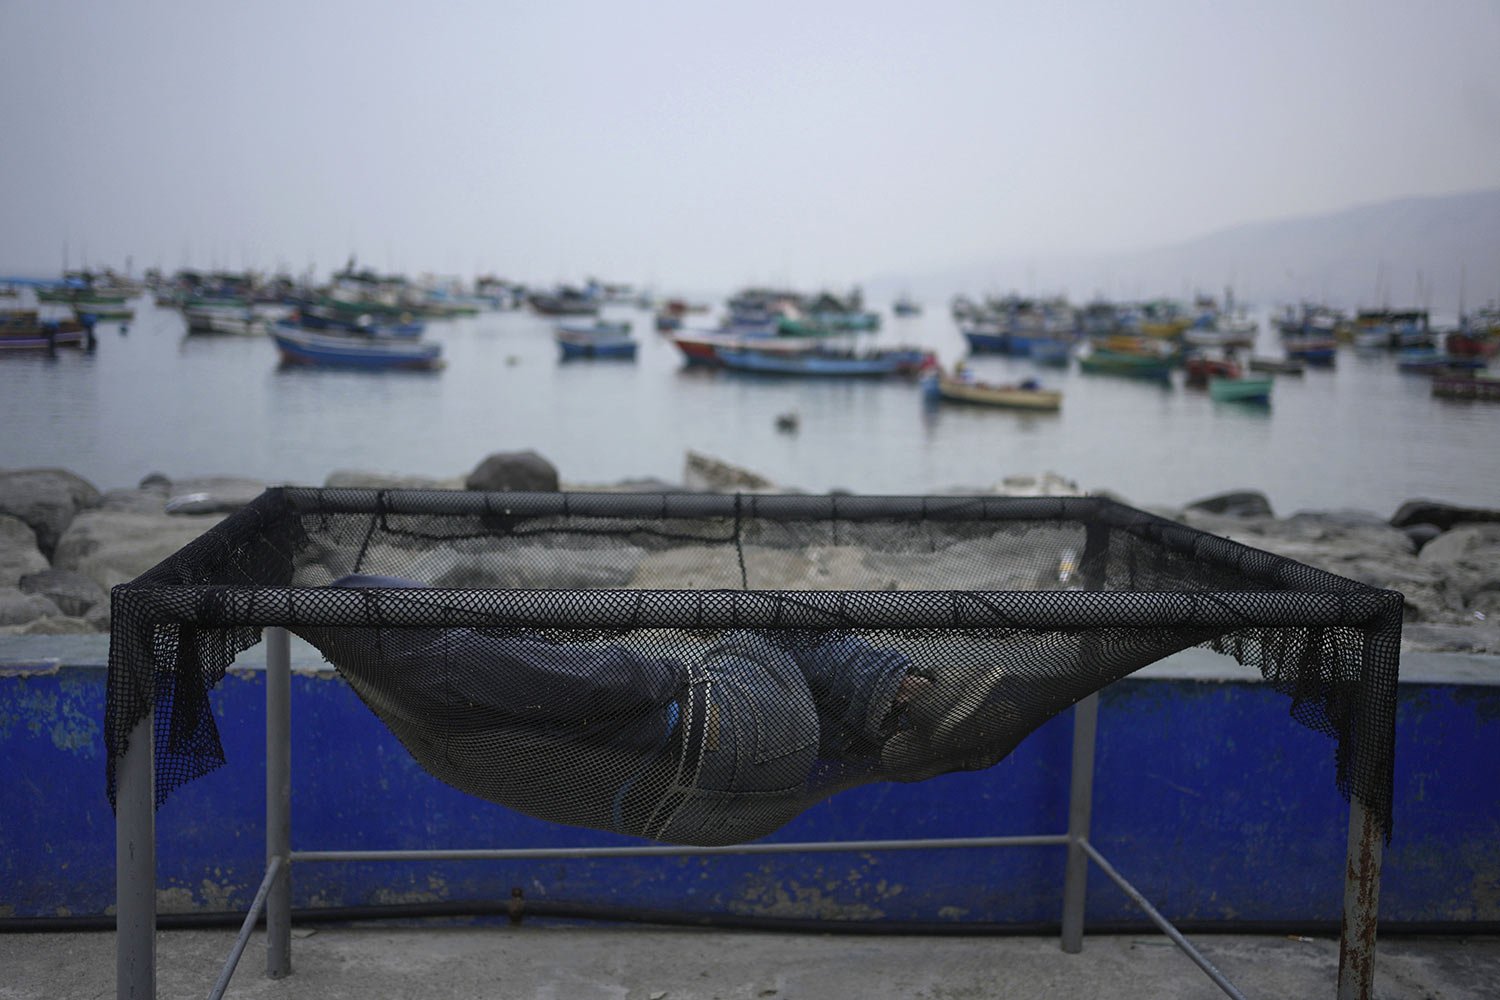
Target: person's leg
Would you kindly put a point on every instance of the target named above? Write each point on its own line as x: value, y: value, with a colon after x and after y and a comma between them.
x: 859, y: 688
x: 750, y: 734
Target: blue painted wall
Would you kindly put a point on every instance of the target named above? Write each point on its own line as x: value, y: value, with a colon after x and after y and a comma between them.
x: 1208, y: 796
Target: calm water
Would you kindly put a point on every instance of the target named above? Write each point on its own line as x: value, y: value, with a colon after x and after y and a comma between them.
x: 153, y: 399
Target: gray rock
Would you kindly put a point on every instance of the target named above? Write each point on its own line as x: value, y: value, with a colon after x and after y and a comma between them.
x: 53, y: 625
x: 141, y: 501
x: 1474, y: 636
x: 19, y: 554
x: 354, y: 479
x: 115, y: 546
x: 1239, y: 503
x: 704, y: 473
x: 72, y: 592
x: 513, y: 471
x: 1421, y: 533
x: 212, y: 495
x: 46, y: 499
x: 1469, y: 556
x: 157, y: 482
x: 17, y: 608
x: 1444, y: 515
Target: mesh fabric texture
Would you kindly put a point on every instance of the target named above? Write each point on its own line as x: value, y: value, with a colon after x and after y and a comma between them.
x: 698, y: 668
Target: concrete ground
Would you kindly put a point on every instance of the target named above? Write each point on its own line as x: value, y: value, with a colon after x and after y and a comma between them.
x: 541, y: 962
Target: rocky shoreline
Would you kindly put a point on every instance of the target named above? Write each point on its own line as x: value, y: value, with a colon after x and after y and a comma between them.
x: 64, y: 543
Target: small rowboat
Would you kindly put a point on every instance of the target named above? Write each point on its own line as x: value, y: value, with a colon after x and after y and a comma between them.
x: 1251, y: 389
x: 1027, y: 395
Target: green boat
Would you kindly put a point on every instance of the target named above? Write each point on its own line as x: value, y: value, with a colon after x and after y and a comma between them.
x: 1240, y: 390
x: 1126, y: 363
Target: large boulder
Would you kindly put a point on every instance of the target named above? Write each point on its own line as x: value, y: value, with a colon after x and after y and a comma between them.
x: 19, y: 554
x: 506, y: 471
x: 1239, y: 503
x: 1444, y: 515
x: 73, y: 593
x: 115, y: 546
x: 47, y: 500
x: 17, y: 608
x: 1469, y: 556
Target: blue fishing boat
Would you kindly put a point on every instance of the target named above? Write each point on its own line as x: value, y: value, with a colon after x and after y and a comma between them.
x: 370, y: 325
x: 301, y: 346
x: 823, y: 361
x: 595, y: 340
x: 1429, y: 361
x: 987, y: 338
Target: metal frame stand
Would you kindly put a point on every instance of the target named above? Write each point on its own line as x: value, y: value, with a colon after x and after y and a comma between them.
x: 135, y: 856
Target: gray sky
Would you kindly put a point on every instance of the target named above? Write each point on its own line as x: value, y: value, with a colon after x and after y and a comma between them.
x: 702, y: 146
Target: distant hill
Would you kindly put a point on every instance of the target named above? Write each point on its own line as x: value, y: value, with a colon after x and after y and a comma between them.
x: 1408, y: 252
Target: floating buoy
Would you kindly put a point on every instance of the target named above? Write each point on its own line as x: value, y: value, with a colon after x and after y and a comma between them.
x: 787, y: 422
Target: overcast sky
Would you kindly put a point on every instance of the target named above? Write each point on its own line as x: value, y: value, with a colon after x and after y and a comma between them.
x: 700, y: 145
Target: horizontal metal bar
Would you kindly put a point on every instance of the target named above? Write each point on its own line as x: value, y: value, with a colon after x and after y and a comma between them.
x: 1160, y: 921
x: 437, y: 607
x: 775, y: 507
x: 666, y: 850
x: 246, y: 929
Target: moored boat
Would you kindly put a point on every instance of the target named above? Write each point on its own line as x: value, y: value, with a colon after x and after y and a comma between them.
x: 599, y: 339
x: 962, y: 387
x: 768, y: 358
x: 1277, y: 366
x: 25, y: 330
x: 1431, y: 361
x: 1240, y: 389
x: 301, y: 346
x: 1467, y: 385
x: 1134, y: 363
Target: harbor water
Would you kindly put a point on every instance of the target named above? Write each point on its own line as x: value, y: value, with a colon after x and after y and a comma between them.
x: 152, y: 398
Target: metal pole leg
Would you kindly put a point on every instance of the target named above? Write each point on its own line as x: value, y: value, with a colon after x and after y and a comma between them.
x: 1080, y: 810
x: 1361, y: 904
x: 135, y: 866
x: 279, y: 801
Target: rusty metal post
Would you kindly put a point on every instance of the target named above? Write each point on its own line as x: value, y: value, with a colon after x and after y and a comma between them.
x: 1361, y: 903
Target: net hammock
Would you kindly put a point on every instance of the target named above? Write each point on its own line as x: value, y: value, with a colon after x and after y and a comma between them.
x: 699, y: 669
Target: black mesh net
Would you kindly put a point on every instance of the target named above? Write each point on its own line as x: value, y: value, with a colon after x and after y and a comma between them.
x: 698, y: 669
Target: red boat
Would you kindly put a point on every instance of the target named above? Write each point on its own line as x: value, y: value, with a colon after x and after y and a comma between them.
x: 1200, y: 368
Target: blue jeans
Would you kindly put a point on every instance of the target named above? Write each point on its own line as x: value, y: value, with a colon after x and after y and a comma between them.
x: 712, y: 748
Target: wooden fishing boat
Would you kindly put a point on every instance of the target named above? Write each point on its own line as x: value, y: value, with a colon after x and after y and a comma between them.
x: 963, y: 388
x: 301, y: 346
